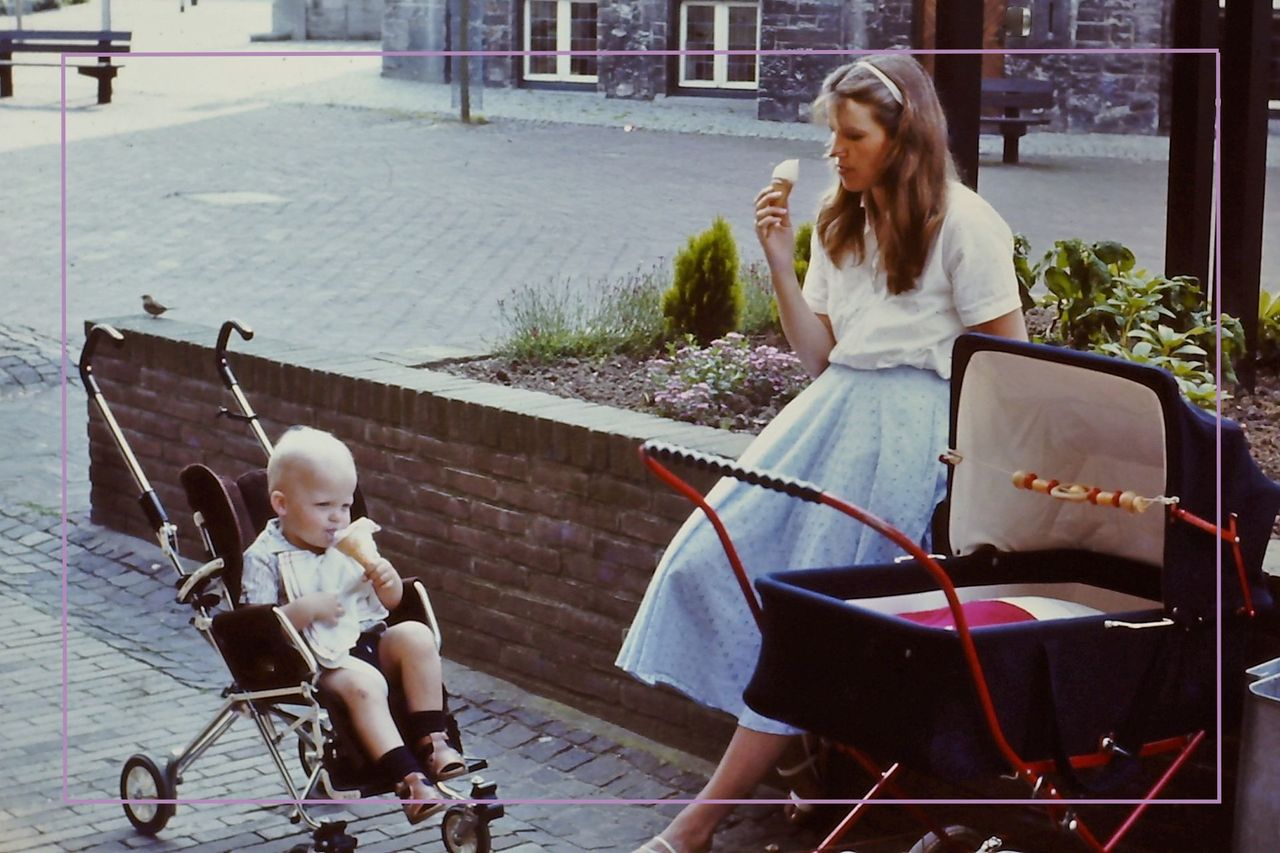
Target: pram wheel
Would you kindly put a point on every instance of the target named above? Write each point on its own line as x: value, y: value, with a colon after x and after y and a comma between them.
x: 959, y: 839
x: 141, y: 779
x: 464, y: 831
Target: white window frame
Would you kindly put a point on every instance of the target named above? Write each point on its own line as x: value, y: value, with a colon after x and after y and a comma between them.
x: 720, y: 41
x: 564, y: 32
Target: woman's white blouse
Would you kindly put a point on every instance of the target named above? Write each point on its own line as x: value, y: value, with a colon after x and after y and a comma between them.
x: 968, y: 279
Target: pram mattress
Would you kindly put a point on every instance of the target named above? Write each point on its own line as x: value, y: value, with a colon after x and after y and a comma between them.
x: 839, y: 658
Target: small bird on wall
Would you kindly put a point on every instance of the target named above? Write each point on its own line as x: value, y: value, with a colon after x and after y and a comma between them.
x: 155, y: 309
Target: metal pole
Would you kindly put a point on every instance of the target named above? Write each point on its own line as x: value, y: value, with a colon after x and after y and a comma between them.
x: 464, y: 69
x: 106, y: 16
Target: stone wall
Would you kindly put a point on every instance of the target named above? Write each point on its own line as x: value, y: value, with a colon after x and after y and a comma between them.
x: 633, y: 25
x: 414, y: 25
x: 789, y: 83
x: 340, y: 19
x: 529, y: 517
x: 1104, y: 93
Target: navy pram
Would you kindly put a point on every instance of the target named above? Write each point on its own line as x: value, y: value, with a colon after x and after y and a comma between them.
x: 1074, y: 621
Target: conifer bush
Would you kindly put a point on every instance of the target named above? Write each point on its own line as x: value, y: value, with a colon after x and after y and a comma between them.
x: 705, y: 299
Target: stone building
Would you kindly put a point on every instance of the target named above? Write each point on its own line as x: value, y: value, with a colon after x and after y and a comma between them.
x: 1122, y: 93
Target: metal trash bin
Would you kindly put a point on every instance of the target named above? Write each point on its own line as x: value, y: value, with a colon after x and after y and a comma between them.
x: 1257, y: 818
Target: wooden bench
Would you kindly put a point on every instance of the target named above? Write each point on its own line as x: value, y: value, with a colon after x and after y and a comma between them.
x: 1010, y: 97
x: 13, y: 42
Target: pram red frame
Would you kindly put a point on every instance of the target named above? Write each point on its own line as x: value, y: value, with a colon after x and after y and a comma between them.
x: 149, y: 791
x: 1035, y: 774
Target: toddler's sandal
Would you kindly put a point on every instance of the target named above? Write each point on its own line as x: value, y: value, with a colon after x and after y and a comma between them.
x: 440, y: 759
x: 414, y: 787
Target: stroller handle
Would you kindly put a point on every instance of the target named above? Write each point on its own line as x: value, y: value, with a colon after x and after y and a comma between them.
x: 725, y: 467
x: 224, y: 336
x: 166, y: 533
x: 96, y: 333
x: 246, y: 412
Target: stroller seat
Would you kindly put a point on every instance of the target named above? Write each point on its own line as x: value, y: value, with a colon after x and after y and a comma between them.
x: 263, y: 650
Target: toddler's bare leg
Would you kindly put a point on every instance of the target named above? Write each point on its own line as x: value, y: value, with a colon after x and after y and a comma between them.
x: 410, y: 659
x: 363, y: 692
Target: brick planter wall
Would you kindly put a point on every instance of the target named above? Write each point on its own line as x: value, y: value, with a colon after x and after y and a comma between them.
x: 529, y: 517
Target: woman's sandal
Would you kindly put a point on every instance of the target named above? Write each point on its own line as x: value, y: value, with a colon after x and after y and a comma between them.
x: 414, y: 787
x: 805, y: 779
x: 440, y: 759
x: 657, y: 844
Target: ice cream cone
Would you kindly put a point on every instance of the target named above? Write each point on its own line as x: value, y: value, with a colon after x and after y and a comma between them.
x: 784, y: 179
x: 357, y: 542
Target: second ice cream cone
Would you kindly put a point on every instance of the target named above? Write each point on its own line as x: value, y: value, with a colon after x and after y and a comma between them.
x: 357, y: 542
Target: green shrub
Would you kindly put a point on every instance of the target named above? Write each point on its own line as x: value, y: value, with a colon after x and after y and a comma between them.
x: 705, y: 299
x: 800, y: 262
x: 1268, y: 328
x: 554, y: 321
x: 759, y: 308
x: 804, y: 236
x: 1027, y: 274
x: 1105, y: 305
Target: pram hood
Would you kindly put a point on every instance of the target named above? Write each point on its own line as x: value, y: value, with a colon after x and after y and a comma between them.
x: 1100, y: 422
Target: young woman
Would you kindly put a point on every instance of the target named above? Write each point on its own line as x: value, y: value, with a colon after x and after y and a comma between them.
x: 904, y: 260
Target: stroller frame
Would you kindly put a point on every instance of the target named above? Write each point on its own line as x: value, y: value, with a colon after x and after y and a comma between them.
x: 149, y: 791
x: 1035, y: 774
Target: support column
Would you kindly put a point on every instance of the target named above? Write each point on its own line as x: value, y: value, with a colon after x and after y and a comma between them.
x: 1246, y: 42
x: 1189, y: 211
x: 958, y: 79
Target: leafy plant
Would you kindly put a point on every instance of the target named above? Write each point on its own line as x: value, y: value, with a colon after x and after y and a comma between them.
x: 1027, y: 274
x: 554, y: 321
x: 705, y: 298
x: 804, y: 238
x: 1268, y: 327
x: 722, y: 384
x: 759, y: 309
x: 1105, y: 305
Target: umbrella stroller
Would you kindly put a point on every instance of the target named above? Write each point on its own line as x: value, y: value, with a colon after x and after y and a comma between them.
x: 1074, y: 622
x: 274, y: 676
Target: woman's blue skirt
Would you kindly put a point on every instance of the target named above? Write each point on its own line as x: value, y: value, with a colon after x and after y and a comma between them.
x: 871, y: 437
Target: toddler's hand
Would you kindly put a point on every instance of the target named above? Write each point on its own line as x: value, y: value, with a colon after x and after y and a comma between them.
x: 325, y: 607
x: 382, y: 574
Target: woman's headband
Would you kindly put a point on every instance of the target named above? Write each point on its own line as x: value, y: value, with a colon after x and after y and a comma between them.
x: 894, y: 91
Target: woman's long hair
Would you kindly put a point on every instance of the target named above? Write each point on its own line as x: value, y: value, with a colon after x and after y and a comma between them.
x: 917, y: 167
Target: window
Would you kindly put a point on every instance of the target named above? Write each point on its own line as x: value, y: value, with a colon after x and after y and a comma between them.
x: 560, y: 25
x: 719, y: 25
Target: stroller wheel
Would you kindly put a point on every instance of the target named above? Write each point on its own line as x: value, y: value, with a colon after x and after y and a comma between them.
x: 309, y: 758
x: 959, y: 839
x: 141, y: 779
x: 464, y: 831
